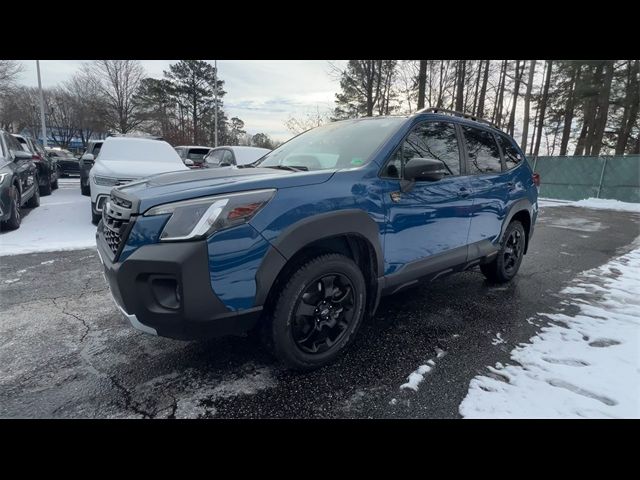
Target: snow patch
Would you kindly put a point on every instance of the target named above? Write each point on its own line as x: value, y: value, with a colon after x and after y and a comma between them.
x: 61, y: 222
x: 498, y: 339
x: 595, y: 203
x: 416, y: 377
x: 583, y: 366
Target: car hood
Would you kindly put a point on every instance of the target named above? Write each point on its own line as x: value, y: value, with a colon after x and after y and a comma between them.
x: 134, y: 169
x: 175, y: 186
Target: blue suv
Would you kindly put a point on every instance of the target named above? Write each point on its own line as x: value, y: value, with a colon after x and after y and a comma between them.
x: 301, y: 245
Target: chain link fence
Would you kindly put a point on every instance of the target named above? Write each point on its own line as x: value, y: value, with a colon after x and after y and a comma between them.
x: 577, y: 178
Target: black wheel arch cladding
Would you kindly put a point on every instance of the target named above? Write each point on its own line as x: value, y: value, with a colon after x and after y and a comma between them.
x: 298, y: 236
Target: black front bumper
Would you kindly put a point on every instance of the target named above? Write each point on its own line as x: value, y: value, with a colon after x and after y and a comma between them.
x: 143, y: 287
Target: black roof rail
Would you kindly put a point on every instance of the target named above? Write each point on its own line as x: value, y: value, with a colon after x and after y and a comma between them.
x: 455, y: 113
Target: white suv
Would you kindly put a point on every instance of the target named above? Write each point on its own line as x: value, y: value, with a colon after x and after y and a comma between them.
x: 125, y: 159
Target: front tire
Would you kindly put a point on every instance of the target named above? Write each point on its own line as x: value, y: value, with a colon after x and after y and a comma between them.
x: 507, y: 263
x: 34, y: 201
x: 46, y: 188
x: 85, y: 189
x: 95, y: 217
x: 317, y: 313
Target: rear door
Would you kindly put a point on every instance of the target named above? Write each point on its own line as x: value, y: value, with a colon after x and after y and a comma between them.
x: 490, y: 190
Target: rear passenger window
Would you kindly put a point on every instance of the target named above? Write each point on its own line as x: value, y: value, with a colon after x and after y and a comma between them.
x: 509, y: 152
x: 484, y: 156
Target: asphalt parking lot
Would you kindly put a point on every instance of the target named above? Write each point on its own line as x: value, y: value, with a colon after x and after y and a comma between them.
x: 66, y: 352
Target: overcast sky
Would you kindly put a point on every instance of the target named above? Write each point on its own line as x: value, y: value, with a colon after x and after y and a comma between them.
x: 263, y: 93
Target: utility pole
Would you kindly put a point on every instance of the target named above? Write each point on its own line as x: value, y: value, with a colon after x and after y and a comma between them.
x: 215, y: 93
x: 42, y: 118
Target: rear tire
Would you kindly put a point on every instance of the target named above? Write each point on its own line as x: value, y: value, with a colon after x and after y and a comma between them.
x: 85, y: 190
x: 13, y: 223
x: 54, y: 184
x: 507, y: 263
x: 34, y: 201
x: 317, y: 312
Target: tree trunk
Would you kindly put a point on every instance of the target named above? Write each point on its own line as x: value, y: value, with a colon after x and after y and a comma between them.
x: 631, y: 103
x: 593, y: 95
x: 483, y: 90
x: 603, y: 108
x: 516, y: 91
x: 500, y: 97
x: 527, y: 106
x: 422, y: 83
x: 460, y: 90
x: 569, y: 110
x: 475, y: 95
x: 543, y: 106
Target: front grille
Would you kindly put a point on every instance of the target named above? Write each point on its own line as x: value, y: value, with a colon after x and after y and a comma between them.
x: 116, y: 217
x: 112, y: 238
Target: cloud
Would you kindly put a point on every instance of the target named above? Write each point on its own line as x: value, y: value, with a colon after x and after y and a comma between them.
x: 263, y: 93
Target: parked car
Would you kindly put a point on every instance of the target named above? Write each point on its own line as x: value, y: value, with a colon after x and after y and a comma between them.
x: 238, y: 156
x: 47, y: 166
x: 67, y: 163
x: 303, y: 245
x: 86, y: 162
x: 193, y: 153
x: 124, y: 159
x: 18, y: 181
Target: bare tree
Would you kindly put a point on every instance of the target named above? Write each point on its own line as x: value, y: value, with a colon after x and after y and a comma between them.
x: 308, y: 121
x: 527, y: 104
x: 118, y: 82
x: 9, y: 72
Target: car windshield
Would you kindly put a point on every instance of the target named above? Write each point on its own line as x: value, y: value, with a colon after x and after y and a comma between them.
x: 345, y: 144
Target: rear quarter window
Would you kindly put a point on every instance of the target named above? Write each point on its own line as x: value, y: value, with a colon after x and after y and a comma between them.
x: 510, y: 153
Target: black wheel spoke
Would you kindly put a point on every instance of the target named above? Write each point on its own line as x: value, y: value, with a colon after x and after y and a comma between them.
x: 327, y: 286
x: 323, y: 313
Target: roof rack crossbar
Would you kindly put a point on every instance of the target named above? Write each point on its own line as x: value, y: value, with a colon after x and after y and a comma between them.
x: 455, y: 113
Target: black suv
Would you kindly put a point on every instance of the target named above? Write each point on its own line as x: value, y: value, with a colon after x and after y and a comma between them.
x: 47, y: 165
x: 18, y: 181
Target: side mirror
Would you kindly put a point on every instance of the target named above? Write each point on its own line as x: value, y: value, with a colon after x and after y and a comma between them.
x: 428, y: 169
x: 88, y: 156
x: 188, y: 162
x: 21, y: 155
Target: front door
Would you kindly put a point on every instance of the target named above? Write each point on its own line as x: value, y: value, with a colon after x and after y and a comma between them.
x: 430, y: 221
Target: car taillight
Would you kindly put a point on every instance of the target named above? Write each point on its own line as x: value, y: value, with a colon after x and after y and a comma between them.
x: 536, y: 179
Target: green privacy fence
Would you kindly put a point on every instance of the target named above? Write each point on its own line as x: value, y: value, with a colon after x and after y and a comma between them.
x: 577, y: 178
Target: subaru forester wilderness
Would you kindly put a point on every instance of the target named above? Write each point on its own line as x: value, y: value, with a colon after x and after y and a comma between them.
x: 301, y: 246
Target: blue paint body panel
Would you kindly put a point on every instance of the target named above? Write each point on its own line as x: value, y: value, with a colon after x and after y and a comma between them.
x: 429, y: 220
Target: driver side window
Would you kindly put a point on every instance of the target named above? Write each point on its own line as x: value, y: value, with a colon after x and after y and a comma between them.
x: 435, y: 140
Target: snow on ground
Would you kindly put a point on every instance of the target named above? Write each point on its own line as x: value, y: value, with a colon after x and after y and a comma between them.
x: 61, y: 222
x: 585, y: 365
x: 416, y: 377
x: 596, y: 203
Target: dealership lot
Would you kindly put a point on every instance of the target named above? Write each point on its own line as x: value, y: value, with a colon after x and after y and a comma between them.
x: 66, y: 352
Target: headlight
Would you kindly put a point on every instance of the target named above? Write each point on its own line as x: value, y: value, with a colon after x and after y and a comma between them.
x: 2, y: 176
x: 201, y: 216
x: 105, y: 181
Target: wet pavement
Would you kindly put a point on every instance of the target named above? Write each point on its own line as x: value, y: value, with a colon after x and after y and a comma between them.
x: 66, y: 352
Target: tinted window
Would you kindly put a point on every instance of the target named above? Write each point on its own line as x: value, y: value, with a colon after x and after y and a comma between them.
x: 435, y: 140
x: 484, y: 156
x: 13, y: 144
x: 197, y: 153
x: 511, y: 155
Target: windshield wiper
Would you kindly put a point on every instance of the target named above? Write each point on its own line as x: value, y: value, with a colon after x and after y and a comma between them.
x: 290, y: 167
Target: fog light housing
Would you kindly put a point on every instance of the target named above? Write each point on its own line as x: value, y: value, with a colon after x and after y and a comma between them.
x: 166, y: 292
